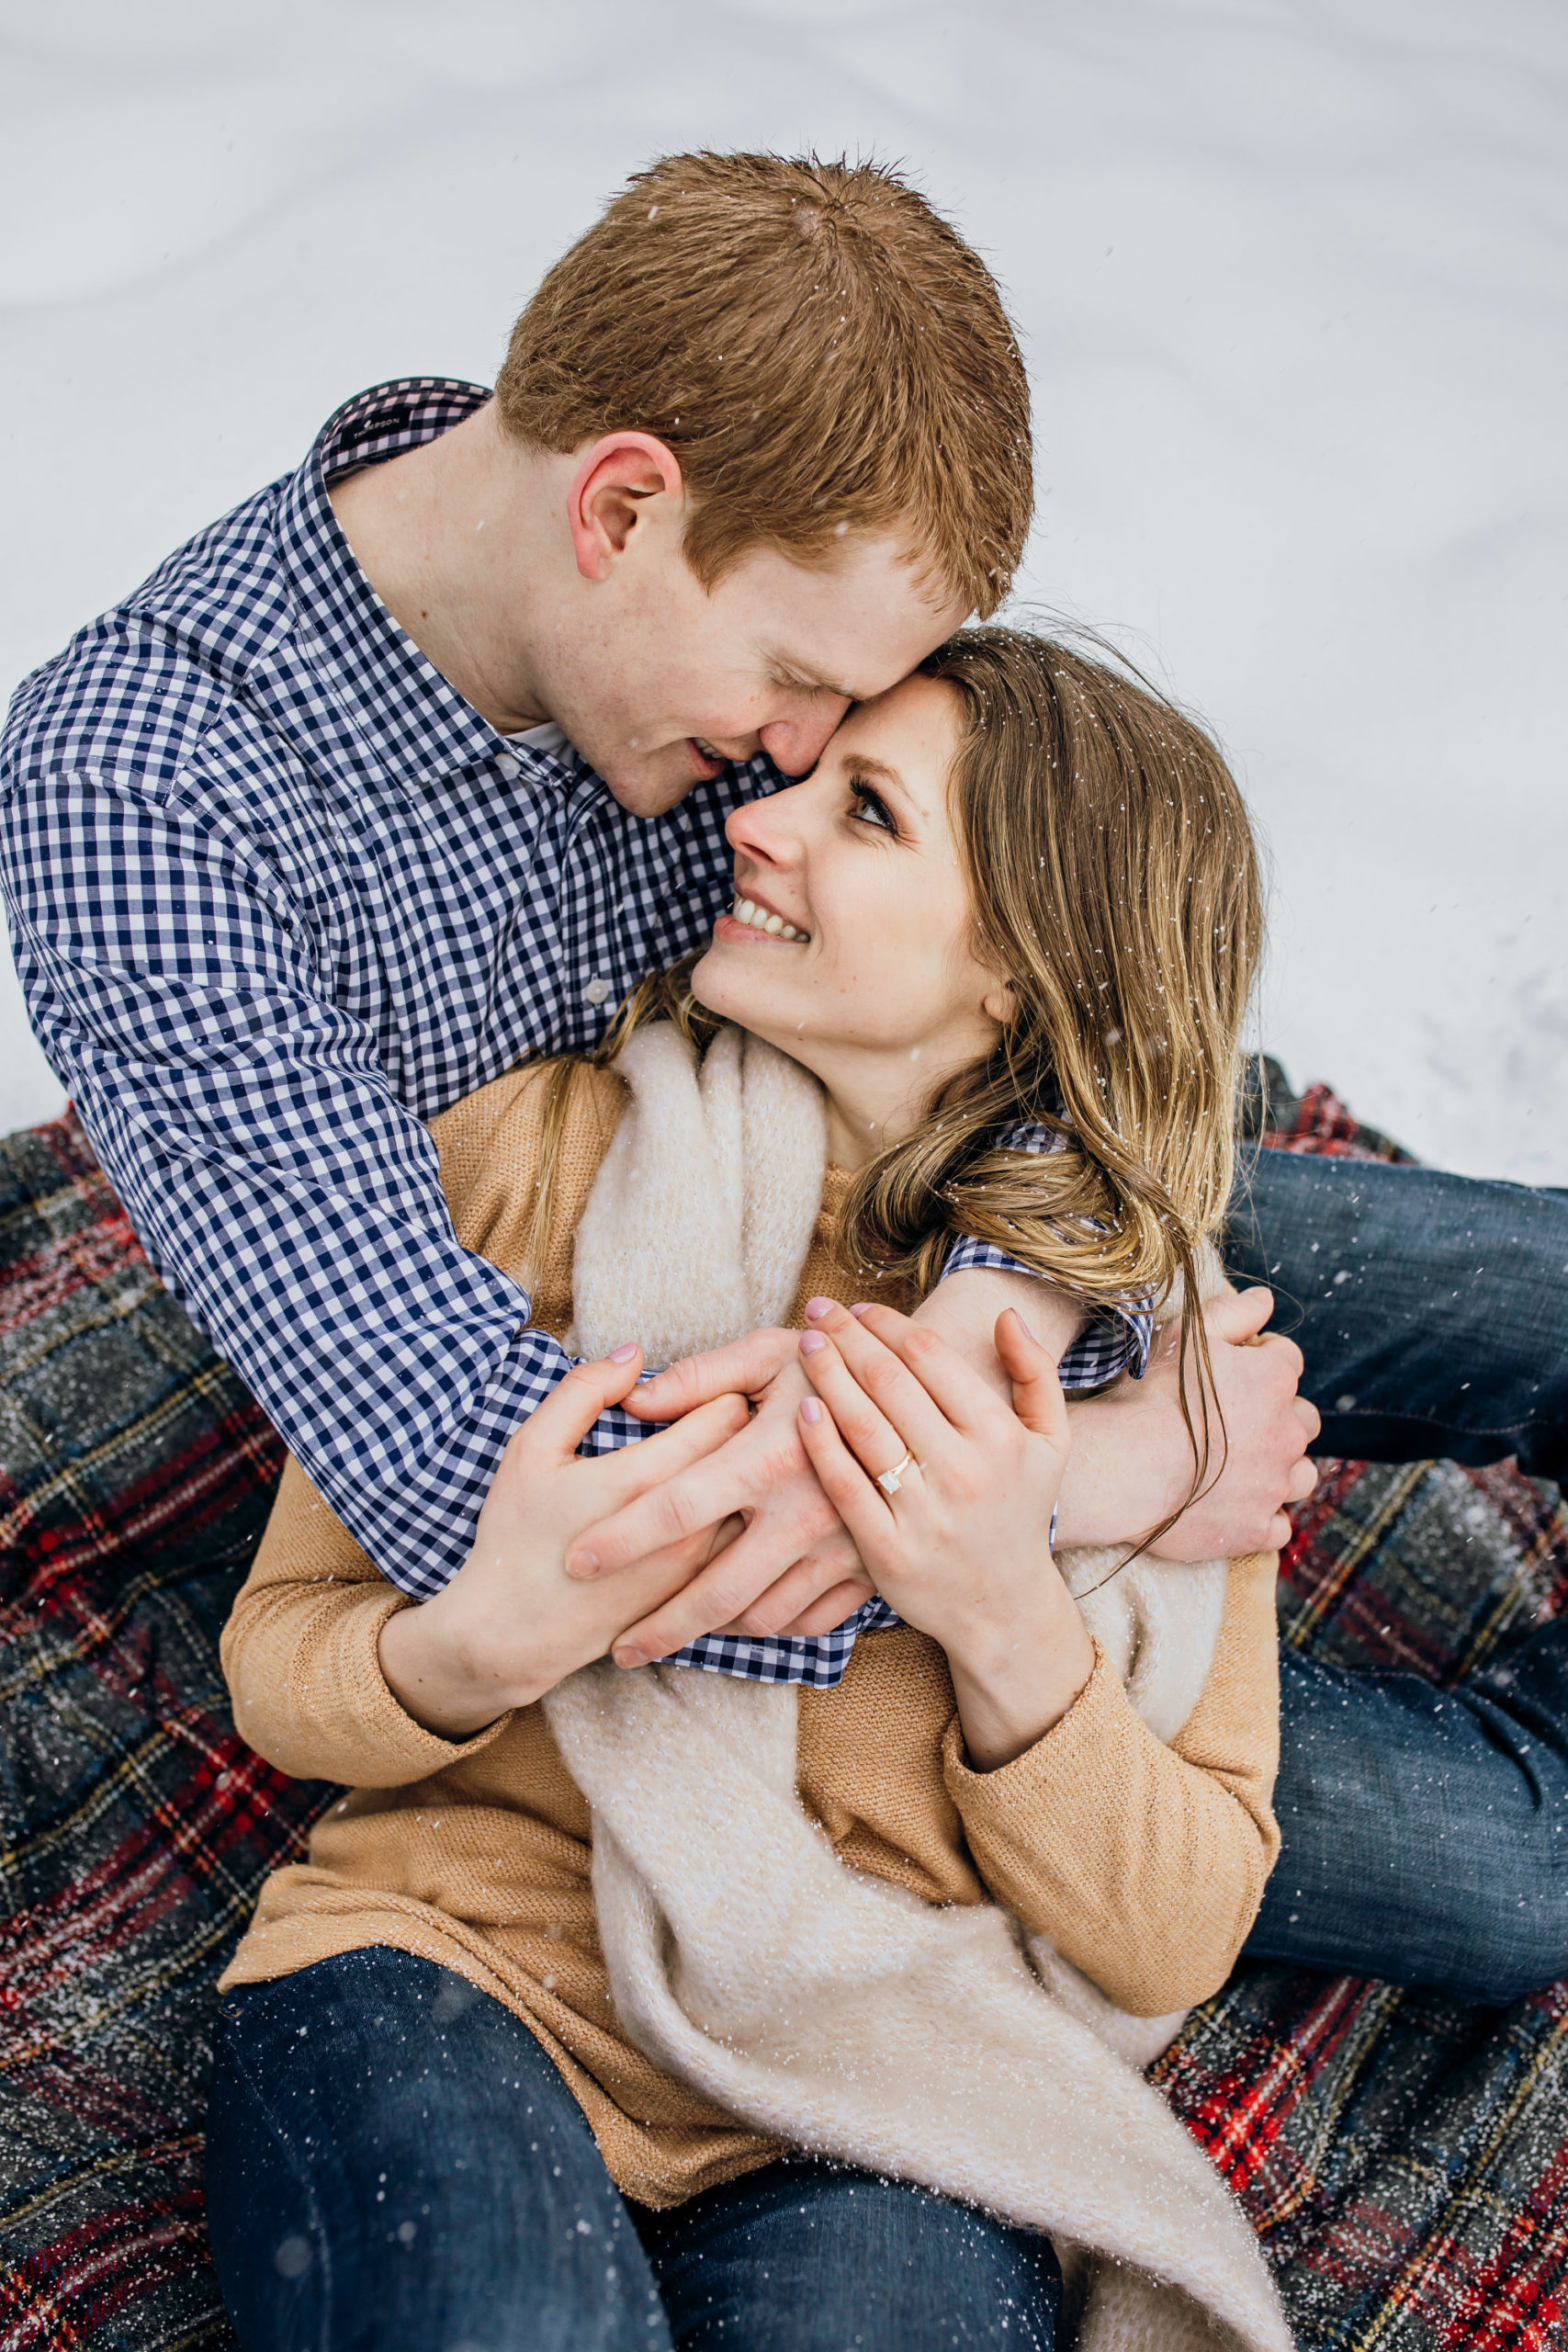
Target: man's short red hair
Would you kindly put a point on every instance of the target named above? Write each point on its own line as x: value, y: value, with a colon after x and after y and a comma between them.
x: 823, y: 353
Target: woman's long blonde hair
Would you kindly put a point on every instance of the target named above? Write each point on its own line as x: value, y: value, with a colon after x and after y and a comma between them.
x: 1114, y: 882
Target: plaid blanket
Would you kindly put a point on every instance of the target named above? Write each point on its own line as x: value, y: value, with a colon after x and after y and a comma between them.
x: 1405, y: 2159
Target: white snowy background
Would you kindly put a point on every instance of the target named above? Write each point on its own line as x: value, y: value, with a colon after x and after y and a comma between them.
x: 1291, y: 278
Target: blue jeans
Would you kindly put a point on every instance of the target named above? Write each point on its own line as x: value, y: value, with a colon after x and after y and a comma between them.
x: 1426, y: 1831
x: 392, y: 2161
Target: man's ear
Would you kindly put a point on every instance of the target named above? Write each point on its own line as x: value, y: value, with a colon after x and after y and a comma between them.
x: 609, y: 492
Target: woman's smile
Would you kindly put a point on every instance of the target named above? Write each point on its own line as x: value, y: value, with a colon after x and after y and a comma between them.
x: 757, y: 920
x: 859, y: 863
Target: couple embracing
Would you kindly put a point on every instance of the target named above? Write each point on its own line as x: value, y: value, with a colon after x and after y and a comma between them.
x: 697, y: 1087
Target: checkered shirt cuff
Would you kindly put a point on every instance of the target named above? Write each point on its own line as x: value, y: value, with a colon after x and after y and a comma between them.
x: 815, y: 1659
x: 1117, y: 1337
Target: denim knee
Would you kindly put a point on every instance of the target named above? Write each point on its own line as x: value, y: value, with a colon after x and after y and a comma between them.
x: 394, y: 2160
x: 807, y: 2256
x: 1432, y: 1309
x: 1518, y: 1708
x: 1425, y: 1832
x: 1523, y: 1949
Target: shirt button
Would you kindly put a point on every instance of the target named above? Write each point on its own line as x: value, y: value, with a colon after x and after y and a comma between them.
x: 508, y: 766
x: 596, y: 992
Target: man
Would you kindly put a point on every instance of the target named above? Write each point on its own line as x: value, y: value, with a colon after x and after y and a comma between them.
x: 410, y: 766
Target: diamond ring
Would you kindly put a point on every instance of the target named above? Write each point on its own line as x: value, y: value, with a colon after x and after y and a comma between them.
x: 891, y: 1480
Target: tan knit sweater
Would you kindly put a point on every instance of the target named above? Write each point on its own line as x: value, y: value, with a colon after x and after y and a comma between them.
x: 1145, y: 1865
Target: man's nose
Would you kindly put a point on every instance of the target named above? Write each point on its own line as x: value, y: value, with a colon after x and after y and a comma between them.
x: 796, y: 745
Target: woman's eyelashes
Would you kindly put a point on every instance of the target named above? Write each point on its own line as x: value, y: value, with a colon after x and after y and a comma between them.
x: 868, y: 808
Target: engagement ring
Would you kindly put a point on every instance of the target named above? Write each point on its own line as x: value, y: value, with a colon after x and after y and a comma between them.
x: 891, y: 1480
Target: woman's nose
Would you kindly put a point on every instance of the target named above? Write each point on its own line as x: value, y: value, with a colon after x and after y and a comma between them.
x: 765, y: 830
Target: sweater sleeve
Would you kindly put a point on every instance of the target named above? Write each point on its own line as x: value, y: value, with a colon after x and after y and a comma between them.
x: 301, y: 1655
x: 1142, y: 1864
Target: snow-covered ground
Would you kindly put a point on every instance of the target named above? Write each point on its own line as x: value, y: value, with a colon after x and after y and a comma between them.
x: 1292, y: 281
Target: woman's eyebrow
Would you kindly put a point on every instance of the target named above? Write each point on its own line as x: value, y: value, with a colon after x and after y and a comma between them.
x: 861, y: 763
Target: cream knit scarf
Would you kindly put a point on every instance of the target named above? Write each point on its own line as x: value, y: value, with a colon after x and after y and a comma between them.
x: 815, y: 2003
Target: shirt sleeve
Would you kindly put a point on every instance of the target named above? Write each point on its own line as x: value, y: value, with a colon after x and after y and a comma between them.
x: 1116, y: 1337
x: 285, y: 1196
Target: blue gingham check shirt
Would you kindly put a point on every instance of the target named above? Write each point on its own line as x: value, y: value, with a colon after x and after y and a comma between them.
x: 278, y: 895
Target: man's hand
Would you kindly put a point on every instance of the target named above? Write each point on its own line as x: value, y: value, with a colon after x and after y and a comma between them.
x: 963, y: 1309
x: 792, y: 1568
x: 1132, y: 1461
x: 512, y: 1623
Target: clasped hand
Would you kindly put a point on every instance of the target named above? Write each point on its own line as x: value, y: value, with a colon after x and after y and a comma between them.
x: 960, y: 1550
x: 948, y: 1490
x: 512, y: 1623
x: 795, y: 1570
x: 723, y: 1521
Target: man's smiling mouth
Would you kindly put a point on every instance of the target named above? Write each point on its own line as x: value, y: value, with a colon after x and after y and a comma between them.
x: 709, y: 762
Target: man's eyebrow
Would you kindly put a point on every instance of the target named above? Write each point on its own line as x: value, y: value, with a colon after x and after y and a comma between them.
x: 807, y: 678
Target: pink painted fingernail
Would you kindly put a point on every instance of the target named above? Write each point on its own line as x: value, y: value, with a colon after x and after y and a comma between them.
x: 623, y: 1355
x: 811, y: 1410
x: 812, y: 1344
x: 817, y: 1307
x: 864, y: 1308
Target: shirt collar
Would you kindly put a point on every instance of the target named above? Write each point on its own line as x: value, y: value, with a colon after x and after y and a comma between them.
x: 408, y: 719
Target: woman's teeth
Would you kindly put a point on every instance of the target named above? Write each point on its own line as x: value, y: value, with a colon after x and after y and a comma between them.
x: 761, y: 919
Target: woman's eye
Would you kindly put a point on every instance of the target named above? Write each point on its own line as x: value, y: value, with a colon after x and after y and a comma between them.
x: 867, y: 809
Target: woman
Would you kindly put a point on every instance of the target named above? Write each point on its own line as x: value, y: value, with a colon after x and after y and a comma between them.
x: 750, y: 2082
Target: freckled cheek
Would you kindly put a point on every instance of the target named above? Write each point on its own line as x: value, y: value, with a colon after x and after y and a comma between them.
x: 899, y: 981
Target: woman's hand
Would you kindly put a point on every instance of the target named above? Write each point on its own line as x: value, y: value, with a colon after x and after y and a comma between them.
x: 512, y: 1623
x: 961, y: 1549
